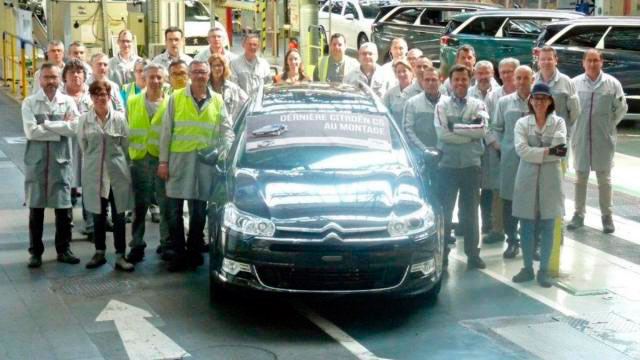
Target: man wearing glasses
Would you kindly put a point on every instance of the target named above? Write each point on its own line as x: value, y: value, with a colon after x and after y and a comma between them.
x: 195, y: 119
x: 49, y: 119
x: 122, y: 65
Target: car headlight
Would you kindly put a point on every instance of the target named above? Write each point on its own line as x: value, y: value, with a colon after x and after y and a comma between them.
x: 246, y: 223
x: 417, y: 222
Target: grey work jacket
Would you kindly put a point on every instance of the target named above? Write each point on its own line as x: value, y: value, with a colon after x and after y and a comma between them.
x: 418, y: 123
x: 377, y: 82
x: 205, y: 54
x: 395, y: 99
x: 165, y: 59
x: 509, y: 109
x: 539, y: 176
x: 250, y: 76
x: 461, y: 147
x: 189, y: 178
x: 48, y: 127
x: 234, y: 98
x: 565, y: 97
x: 105, y: 164
x: 594, y: 137
x: 121, y: 70
x: 490, y: 158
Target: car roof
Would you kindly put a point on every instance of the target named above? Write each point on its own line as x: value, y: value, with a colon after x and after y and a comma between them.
x: 520, y: 12
x: 602, y: 20
x: 318, y: 97
x: 471, y: 5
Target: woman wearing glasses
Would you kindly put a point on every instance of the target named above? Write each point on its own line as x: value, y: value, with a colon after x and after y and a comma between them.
x: 234, y: 97
x: 539, y: 140
x: 102, y: 135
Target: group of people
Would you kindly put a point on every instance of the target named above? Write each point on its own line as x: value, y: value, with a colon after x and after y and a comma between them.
x: 117, y: 130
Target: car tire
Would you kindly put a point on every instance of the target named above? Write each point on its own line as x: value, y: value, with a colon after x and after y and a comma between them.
x: 362, y: 38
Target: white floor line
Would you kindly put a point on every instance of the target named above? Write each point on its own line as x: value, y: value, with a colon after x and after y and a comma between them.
x: 625, y: 229
x: 349, y: 343
x: 552, y: 304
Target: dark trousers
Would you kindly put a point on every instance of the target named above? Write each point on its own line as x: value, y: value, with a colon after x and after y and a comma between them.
x: 486, y: 209
x: 466, y: 181
x: 510, y: 222
x: 119, y: 226
x: 148, y: 189
x: 197, y: 220
x: 63, y: 230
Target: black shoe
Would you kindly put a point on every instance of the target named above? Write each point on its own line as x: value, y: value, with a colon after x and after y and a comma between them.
x: 607, y: 224
x: 194, y: 260
x: 524, y: 275
x: 155, y: 218
x: 34, y: 262
x: 67, y: 257
x: 177, y: 264
x: 97, y: 260
x: 493, y: 237
x: 544, y: 279
x: 136, y: 255
x: 576, y: 222
x: 475, y: 263
x: 159, y: 249
x: 168, y: 255
x: 512, y: 251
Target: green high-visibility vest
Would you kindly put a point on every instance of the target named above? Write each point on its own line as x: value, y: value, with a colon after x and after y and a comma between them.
x: 143, y: 138
x: 193, y: 130
x: 323, y: 68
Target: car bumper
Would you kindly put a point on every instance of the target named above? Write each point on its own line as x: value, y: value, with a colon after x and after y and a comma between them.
x: 394, y: 266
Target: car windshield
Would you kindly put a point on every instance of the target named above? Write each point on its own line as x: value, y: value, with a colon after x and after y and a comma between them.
x: 320, y: 141
x: 369, y: 11
x: 195, y: 11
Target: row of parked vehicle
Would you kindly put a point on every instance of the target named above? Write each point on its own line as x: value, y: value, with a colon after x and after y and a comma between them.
x: 439, y: 28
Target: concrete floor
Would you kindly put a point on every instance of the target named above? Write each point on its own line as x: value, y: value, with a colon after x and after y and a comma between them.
x: 67, y: 312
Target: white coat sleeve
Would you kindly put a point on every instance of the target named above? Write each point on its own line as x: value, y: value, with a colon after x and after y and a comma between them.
x: 620, y: 105
x: 559, y: 137
x: 442, y: 131
x: 474, y: 131
x: 68, y: 126
x: 167, y: 130
x: 527, y: 153
x: 409, y: 115
x: 80, y: 134
x: 32, y: 130
x: 573, y: 105
x: 498, y: 121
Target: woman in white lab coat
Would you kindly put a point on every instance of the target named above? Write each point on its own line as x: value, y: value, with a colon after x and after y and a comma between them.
x: 540, y: 140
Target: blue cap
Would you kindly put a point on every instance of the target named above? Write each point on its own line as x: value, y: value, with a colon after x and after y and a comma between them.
x: 541, y: 89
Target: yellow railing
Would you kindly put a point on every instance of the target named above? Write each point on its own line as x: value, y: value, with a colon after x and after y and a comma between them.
x: 312, y: 32
x: 9, y: 59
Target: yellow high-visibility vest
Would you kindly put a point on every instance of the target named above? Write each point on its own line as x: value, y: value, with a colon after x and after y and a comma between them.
x: 192, y: 130
x: 143, y: 137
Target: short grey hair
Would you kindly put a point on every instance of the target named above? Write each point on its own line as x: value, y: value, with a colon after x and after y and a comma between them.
x: 369, y: 45
x: 509, y: 61
x: 525, y: 68
x: 141, y: 61
x: 483, y: 63
x: 417, y: 51
x: 199, y: 62
x: 55, y: 43
x: 97, y: 56
x: 149, y: 67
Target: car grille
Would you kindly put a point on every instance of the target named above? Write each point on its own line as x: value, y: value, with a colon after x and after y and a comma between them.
x: 330, y: 279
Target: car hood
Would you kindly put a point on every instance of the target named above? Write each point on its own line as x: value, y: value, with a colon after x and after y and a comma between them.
x: 316, y: 198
